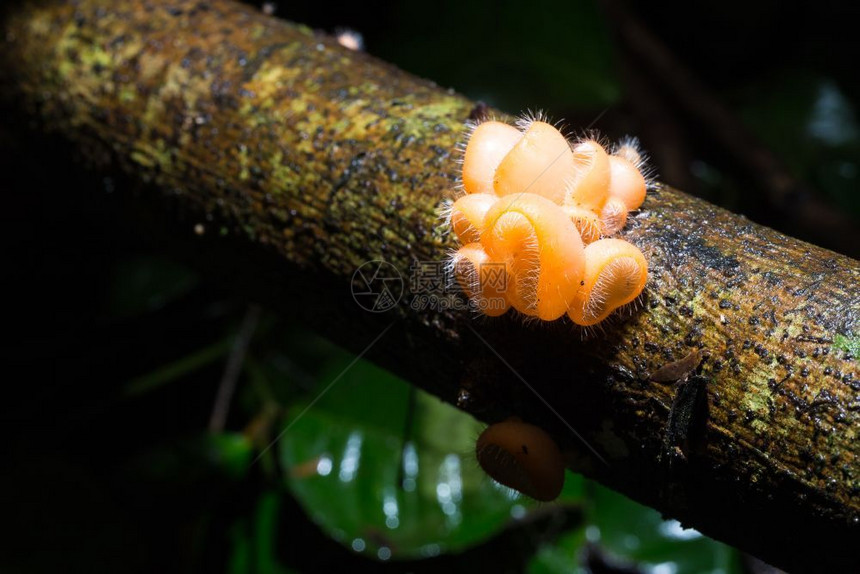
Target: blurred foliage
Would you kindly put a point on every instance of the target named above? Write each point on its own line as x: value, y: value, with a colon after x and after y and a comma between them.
x: 386, y: 479
x: 392, y: 487
x: 385, y: 470
x: 809, y: 122
x: 626, y: 534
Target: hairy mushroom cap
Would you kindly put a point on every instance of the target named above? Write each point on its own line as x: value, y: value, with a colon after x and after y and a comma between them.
x: 523, y: 457
x: 541, y: 248
x: 626, y: 183
x: 613, y: 216
x: 589, y: 187
x: 488, y: 143
x: 629, y: 149
x: 483, y: 281
x: 586, y: 222
x: 467, y: 216
x: 615, y: 274
x: 540, y: 163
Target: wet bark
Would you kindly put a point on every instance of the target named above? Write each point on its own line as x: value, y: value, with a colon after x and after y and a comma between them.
x: 301, y: 161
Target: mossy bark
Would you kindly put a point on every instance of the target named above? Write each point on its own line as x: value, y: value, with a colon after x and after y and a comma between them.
x: 314, y: 160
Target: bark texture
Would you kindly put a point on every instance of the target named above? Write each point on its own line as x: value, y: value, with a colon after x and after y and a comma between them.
x: 313, y: 160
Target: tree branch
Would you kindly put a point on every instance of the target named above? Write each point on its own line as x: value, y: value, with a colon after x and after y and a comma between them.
x: 316, y: 160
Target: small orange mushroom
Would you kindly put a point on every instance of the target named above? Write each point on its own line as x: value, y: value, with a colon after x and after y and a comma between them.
x: 523, y: 457
x: 480, y: 279
x: 626, y: 183
x: 541, y: 163
x: 541, y: 248
x: 488, y: 144
x: 467, y: 215
x: 615, y: 274
x: 586, y: 222
x: 613, y: 216
x: 628, y: 148
x: 590, y: 186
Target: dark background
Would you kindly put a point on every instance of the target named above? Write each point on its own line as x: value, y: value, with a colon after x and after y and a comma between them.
x: 116, y: 347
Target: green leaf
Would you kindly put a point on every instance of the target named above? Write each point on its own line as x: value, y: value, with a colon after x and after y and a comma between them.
x: 253, y: 541
x: 638, y: 533
x: 383, y: 487
x: 631, y: 533
x: 561, y: 557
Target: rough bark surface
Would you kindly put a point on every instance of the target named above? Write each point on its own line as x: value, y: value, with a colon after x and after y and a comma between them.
x: 314, y: 160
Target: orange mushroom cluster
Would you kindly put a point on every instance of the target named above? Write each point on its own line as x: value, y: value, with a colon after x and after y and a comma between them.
x: 537, y: 221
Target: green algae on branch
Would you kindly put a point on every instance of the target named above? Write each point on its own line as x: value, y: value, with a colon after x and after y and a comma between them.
x: 313, y: 160
x: 850, y: 345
